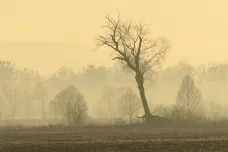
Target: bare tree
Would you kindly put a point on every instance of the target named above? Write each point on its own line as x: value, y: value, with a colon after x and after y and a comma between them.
x: 11, y: 96
x: 70, y: 104
x: 6, y: 75
x: 129, y: 104
x: 107, y: 102
x: 189, y: 98
x: 28, y: 78
x: 39, y: 94
x: 133, y: 48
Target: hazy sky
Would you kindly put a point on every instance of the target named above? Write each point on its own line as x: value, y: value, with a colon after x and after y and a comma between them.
x: 47, y: 34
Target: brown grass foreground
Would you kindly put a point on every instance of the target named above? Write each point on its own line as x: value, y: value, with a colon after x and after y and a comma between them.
x: 113, y: 139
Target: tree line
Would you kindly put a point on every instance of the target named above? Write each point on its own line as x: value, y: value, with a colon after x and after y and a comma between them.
x: 25, y: 94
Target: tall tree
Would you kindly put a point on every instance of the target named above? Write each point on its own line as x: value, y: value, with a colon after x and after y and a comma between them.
x: 134, y: 49
x: 189, y: 99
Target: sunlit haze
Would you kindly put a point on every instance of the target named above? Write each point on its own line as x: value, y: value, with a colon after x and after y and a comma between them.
x: 48, y: 34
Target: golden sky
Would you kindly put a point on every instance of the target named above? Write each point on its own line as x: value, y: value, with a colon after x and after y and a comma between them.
x: 48, y: 34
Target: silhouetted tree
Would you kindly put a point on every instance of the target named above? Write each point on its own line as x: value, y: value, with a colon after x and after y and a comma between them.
x: 189, y: 99
x: 70, y: 104
x: 129, y: 104
x: 132, y: 47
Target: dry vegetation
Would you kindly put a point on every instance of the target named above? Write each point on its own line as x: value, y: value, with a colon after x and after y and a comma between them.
x: 109, y: 139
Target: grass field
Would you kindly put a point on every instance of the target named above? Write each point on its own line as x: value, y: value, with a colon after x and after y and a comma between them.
x: 110, y: 139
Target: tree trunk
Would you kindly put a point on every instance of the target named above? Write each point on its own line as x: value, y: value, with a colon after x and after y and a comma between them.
x: 139, y: 80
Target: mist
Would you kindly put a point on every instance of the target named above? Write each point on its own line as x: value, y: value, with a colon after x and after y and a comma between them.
x: 92, y: 81
x: 113, y: 75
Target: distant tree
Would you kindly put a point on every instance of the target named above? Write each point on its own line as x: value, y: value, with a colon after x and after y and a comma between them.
x: 121, y: 76
x: 10, y: 92
x: 62, y: 78
x: 64, y: 74
x: 217, y: 81
x: 175, y: 73
x: 107, y: 103
x: 28, y: 79
x: 129, y: 104
x: 189, y: 99
x: 93, y: 74
x: 218, y: 73
x: 29, y: 75
x: 135, y: 51
x: 201, y: 77
x: 39, y: 94
x: 2, y: 103
x: 6, y: 72
x: 70, y: 104
x: 28, y: 99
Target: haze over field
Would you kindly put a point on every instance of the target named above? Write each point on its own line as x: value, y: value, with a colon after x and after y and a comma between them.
x: 57, y: 38
x: 114, y: 75
x: 48, y: 34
